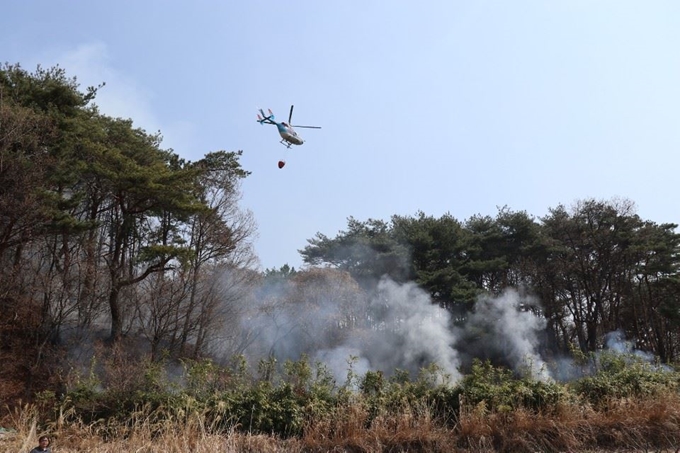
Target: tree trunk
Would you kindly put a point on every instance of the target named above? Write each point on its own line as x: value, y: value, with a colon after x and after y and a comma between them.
x: 116, y: 315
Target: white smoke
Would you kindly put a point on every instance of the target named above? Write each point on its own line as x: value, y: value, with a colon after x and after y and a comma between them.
x: 615, y: 345
x: 616, y: 342
x: 397, y: 327
x: 339, y: 361
x: 511, y: 328
x: 394, y: 326
x: 411, y: 332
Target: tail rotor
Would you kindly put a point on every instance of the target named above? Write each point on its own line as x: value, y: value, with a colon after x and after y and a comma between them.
x: 263, y: 118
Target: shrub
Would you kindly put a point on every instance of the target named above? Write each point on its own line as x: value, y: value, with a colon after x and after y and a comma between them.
x: 624, y: 376
x: 499, y: 390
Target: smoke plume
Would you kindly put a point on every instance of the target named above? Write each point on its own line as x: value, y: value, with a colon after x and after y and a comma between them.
x: 392, y: 326
x: 506, y: 329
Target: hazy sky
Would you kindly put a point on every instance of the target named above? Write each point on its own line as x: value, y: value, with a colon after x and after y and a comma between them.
x: 438, y: 106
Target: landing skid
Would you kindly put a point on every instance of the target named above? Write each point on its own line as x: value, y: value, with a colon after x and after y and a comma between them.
x: 285, y: 143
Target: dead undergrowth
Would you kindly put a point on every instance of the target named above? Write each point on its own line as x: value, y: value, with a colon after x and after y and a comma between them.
x: 649, y: 425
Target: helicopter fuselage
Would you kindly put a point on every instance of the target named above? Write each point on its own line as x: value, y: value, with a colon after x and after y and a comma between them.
x: 288, y: 134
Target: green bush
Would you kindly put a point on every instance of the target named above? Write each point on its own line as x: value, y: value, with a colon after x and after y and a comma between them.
x: 624, y: 376
x: 278, y: 404
x: 500, y: 390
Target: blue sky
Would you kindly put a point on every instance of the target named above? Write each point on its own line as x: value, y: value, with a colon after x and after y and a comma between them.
x: 439, y: 106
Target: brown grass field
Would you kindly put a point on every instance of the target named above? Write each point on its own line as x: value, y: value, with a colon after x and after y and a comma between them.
x: 651, y: 425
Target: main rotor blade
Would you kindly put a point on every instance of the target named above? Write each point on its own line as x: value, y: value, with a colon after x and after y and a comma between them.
x: 291, y: 114
x: 308, y: 127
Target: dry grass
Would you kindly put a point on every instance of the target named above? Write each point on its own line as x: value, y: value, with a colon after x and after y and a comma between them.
x: 624, y: 425
x: 171, y: 437
x: 634, y: 425
x: 352, y: 430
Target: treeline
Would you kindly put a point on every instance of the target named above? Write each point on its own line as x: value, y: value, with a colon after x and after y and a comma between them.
x: 103, y: 229
x: 596, y: 267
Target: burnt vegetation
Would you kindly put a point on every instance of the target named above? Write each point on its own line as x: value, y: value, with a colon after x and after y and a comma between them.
x: 131, y: 309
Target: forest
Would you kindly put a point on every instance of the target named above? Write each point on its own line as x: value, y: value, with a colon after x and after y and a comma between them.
x: 130, y: 296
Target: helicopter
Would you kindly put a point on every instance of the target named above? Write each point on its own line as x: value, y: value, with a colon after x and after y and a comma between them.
x: 288, y: 135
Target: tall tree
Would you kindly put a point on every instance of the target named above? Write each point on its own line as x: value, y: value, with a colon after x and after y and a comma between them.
x: 367, y: 250
x: 651, y: 313
x: 220, y: 237
x: 36, y: 112
x: 439, y: 249
x: 142, y: 184
x: 488, y: 264
x: 592, y: 257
